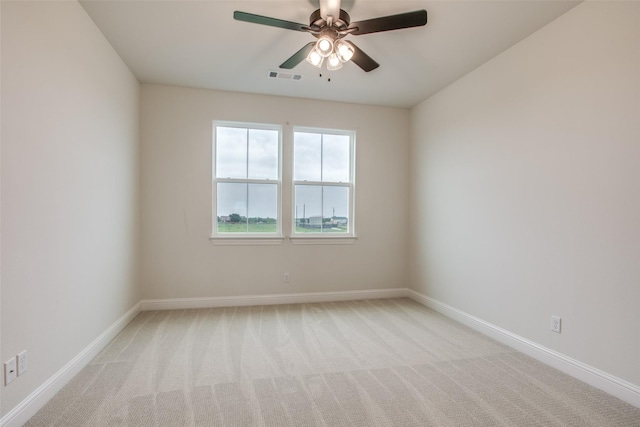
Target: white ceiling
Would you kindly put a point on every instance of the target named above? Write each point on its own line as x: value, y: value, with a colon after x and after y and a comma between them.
x: 199, y: 44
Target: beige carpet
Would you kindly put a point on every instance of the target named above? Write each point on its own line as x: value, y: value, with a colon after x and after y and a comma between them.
x: 360, y: 363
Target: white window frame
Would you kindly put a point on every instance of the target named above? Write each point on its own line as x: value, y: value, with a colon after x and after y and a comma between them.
x: 242, y: 238
x: 333, y: 237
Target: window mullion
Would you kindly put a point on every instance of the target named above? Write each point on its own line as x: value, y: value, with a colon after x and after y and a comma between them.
x: 247, y: 185
x: 322, y: 209
x: 308, y: 183
x: 246, y: 166
x: 249, y: 181
x: 246, y: 208
x: 323, y: 184
x: 321, y: 157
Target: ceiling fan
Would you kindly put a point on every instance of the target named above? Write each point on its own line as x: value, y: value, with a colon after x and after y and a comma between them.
x: 330, y: 25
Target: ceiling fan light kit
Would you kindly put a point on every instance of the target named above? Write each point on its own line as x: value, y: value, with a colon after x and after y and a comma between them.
x: 330, y: 33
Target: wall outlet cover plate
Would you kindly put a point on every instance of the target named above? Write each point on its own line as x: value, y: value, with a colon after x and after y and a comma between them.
x: 10, y: 373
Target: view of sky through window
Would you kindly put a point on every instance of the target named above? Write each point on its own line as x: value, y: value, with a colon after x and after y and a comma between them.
x: 321, y: 157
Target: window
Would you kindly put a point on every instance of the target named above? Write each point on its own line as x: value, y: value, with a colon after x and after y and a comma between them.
x: 246, y: 180
x: 323, y: 171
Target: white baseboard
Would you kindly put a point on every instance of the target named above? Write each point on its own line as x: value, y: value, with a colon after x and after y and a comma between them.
x: 623, y: 390
x: 617, y: 387
x: 299, y: 298
x: 39, y: 397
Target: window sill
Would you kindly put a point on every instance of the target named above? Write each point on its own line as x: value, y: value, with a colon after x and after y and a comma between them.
x: 323, y: 240
x: 246, y: 241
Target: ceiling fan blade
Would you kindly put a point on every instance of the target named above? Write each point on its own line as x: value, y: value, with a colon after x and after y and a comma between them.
x: 298, y: 57
x: 363, y: 60
x: 388, y: 23
x: 272, y: 22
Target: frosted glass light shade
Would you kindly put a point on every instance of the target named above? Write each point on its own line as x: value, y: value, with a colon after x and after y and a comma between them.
x: 324, y: 46
x: 344, y: 50
x: 314, y: 58
x: 334, y: 63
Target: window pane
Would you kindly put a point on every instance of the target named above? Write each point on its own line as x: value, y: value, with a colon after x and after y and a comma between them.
x: 231, y: 152
x: 263, y: 208
x: 335, y: 158
x: 335, y: 201
x: 263, y: 154
x: 232, y: 207
x: 308, y: 209
x: 307, y: 156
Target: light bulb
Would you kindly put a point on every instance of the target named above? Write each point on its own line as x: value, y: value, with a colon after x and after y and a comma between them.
x: 324, y: 46
x: 334, y: 63
x: 314, y: 58
x: 344, y: 50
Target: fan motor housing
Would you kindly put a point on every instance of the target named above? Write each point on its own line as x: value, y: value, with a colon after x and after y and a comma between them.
x: 342, y: 22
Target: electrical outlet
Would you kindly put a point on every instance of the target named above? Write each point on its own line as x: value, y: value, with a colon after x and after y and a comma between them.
x: 9, y: 371
x: 286, y: 278
x: 22, y: 362
x: 556, y: 323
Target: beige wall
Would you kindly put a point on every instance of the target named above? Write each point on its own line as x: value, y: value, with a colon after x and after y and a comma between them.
x: 179, y: 260
x: 69, y: 188
x: 526, y: 189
